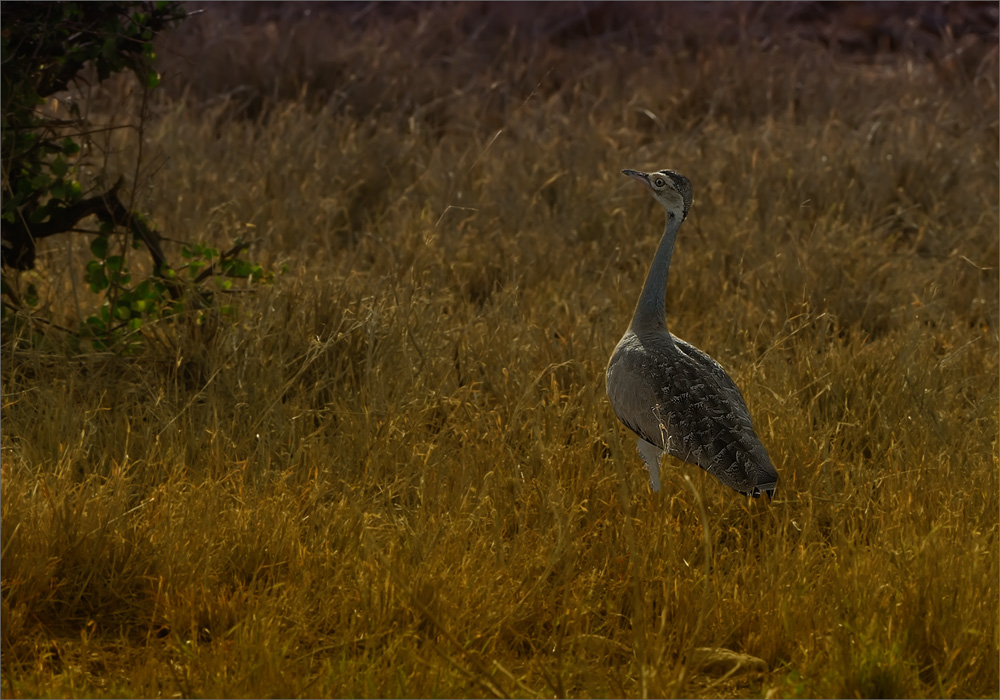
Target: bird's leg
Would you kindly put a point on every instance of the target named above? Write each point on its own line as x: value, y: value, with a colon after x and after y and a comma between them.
x: 651, y: 456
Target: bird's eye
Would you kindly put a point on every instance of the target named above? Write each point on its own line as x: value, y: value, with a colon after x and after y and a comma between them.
x: 659, y: 182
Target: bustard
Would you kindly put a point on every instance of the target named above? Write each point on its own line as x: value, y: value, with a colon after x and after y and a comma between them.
x: 672, y: 395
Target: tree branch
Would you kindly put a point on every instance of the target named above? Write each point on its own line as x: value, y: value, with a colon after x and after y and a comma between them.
x: 19, y: 238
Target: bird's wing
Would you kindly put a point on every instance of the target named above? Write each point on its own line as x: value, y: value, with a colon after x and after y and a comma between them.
x: 678, y: 399
x: 708, y: 422
x: 714, y: 373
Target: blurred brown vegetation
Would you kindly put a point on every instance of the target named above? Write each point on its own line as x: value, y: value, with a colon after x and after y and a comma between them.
x: 397, y: 474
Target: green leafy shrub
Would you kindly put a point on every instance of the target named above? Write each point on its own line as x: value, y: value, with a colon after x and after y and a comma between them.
x: 46, y: 192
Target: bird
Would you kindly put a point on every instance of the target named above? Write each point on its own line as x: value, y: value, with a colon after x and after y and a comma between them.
x: 673, y: 396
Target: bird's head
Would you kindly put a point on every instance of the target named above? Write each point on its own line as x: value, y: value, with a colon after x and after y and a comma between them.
x: 672, y: 190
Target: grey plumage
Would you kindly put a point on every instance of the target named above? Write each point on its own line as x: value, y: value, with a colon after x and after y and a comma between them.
x: 675, y: 397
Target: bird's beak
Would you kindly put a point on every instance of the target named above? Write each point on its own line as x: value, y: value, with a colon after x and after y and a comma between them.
x: 638, y: 175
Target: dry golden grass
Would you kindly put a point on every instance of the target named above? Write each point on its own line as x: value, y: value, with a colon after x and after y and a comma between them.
x: 396, y: 473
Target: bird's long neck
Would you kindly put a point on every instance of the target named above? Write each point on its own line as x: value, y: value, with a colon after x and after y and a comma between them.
x: 650, y: 312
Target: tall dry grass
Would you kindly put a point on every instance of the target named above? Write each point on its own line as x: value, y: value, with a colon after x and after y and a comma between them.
x: 396, y: 472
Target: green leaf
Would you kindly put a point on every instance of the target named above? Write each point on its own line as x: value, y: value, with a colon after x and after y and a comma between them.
x: 70, y: 147
x: 38, y: 215
x: 99, y: 247
x: 40, y: 181
x: 73, y: 191
x: 232, y: 267
x: 59, y: 167
x: 109, y: 50
x: 95, y: 277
